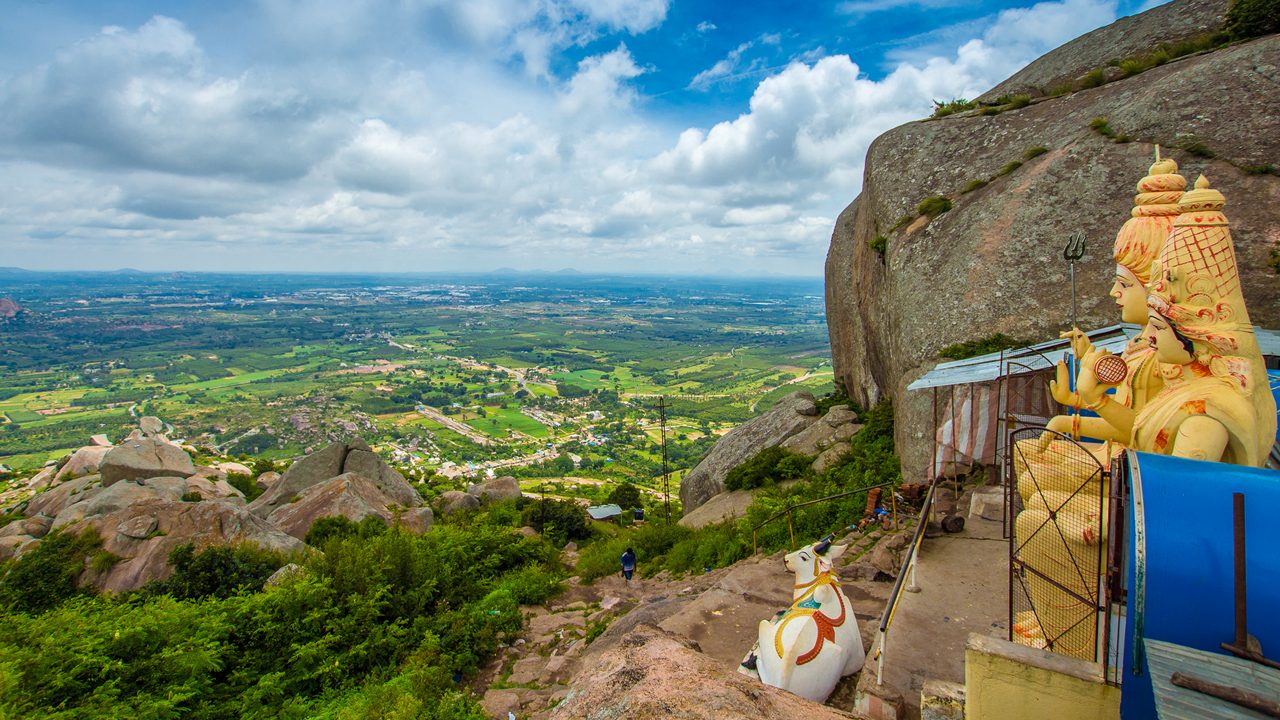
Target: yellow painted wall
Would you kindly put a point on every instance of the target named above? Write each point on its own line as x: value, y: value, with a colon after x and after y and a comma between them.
x: 1007, y: 681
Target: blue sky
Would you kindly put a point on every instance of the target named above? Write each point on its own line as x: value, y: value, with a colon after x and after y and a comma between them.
x: 427, y: 135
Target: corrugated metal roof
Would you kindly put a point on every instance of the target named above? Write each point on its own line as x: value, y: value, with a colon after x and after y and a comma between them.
x: 602, y: 512
x: 1178, y: 703
x: 1043, y: 356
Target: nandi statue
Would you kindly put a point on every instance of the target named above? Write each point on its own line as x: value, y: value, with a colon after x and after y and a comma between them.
x: 808, y: 647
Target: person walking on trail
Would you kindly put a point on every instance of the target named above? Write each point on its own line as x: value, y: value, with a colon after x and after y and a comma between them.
x: 628, y: 564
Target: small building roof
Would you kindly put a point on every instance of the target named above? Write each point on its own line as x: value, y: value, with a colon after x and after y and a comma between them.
x: 603, y: 512
x: 1043, y: 356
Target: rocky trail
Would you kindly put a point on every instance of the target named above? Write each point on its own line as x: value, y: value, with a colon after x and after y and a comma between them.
x: 595, y: 636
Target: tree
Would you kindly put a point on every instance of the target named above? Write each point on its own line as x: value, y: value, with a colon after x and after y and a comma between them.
x: 626, y: 495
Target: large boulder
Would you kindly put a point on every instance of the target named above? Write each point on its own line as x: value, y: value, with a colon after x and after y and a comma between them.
x: 84, y: 461
x: 654, y: 675
x: 105, y: 500
x: 213, y: 489
x: 144, y: 533
x: 302, y: 474
x: 496, y: 490
x: 837, y: 426
x: 791, y: 415
x: 993, y: 263
x: 350, y: 495
x: 335, y: 460
x: 54, y: 500
x: 144, y: 458
x: 452, y: 501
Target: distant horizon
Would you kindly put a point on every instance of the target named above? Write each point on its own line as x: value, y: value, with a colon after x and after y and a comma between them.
x: 411, y: 273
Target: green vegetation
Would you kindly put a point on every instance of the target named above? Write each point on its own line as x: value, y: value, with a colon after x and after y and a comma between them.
x: 1008, y: 168
x: 46, y: 576
x: 972, y: 185
x: 1103, y: 127
x: 880, y: 244
x: 375, y: 627
x: 219, y: 571
x: 871, y: 461
x: 766, y: 466
x: 1096, y: 77
x: 950, y: 107
x: 932, y: 207
x: 560, y: 521
x: 626, y: 495
x: 246, y: 485
x: 1034, y: 151
x: 1252, y: 18
x: 1261, y: 169
x: 1193, y: 146
x: 974, y: 348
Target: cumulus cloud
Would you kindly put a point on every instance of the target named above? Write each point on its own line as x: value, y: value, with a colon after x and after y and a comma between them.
x: 138, y: 147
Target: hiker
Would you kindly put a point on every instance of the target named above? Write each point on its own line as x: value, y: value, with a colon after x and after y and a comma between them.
x: 628, y: 564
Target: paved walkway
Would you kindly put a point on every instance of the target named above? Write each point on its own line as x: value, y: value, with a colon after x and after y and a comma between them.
x: 964, y: 588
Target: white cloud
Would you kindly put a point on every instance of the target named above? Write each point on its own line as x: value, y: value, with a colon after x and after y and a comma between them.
x: 705, y: 27
x: 139, y: 147
x: 731, y: 66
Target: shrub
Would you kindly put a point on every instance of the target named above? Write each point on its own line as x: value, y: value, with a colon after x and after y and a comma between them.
x: 46, y: 577
x: 943, y: 109
x: 338, y: 526
x: 558, y: 520
x: 934, y: 206
x: 972, y: 185
x: 1008, y: 168
x: 1092, y: 79
x: 974, y: 348
x: 902, y: 222
x: 988, y: 110
x: 626, y: 495
x: 1034, y: 151
x: 1017, y: 101
x: 192, y: 496
x: 1251, y: 18
x: 1262, y: 169
x: 532, y: 584
x: 1197, y: 148
x: 880, y: 244
x: 217, y: 571
x: 245, y: 484
x: 766, y: 467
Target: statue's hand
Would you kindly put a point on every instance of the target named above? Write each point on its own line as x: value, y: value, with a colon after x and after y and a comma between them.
x: 1060, y: 388
x: 1080, y: 343
x: 1088, y: 386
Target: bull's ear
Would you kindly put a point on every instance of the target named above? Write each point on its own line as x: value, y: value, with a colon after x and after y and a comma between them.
x: 836, y: 551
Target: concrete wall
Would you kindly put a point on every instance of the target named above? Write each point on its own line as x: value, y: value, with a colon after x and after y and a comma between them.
x: 1008, y: 680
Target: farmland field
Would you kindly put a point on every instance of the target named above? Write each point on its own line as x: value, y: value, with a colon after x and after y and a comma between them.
x: 448, y: 375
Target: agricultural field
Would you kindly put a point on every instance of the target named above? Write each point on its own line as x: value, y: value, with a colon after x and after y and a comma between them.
x: 451, y: 377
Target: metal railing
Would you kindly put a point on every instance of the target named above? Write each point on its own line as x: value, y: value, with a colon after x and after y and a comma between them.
x: 789, y: 510
x: 908, y: 566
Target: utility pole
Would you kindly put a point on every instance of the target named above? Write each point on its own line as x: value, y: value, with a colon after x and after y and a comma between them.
x: 666, y: 484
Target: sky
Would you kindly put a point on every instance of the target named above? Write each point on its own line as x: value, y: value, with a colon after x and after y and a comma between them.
x: 645, y: 136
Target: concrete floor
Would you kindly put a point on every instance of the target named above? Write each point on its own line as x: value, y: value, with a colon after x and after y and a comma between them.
x: 964, y: 588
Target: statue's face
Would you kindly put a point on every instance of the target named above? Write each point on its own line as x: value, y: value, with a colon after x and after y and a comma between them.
x: 1169, y: 349
x: 1131, y: 296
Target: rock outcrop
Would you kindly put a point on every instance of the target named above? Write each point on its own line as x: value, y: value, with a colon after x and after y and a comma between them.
x: 336, y: 459
x: 792, y: 414
x: 452, y: 501
x: 496, y: 490
x: 84, y: 461
x: 350, y: 495
x: 653, y: 675
x: 144, y: 458
x: 993, y: 263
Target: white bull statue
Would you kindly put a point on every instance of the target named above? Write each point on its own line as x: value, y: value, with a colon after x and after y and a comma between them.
x: 807, y: 648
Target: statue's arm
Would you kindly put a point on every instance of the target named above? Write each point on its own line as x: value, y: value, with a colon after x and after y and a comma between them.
x: 1201, y: 438
x: 1090, y: 427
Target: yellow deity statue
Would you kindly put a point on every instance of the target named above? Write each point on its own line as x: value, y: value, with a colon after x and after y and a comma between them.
x: 1215, y: 403
x: 1061, y: 479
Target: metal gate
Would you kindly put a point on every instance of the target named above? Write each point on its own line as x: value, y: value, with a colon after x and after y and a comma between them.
x: 1058, y: 492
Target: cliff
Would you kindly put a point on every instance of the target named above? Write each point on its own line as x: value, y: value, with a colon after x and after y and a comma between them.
x: 993, y: 263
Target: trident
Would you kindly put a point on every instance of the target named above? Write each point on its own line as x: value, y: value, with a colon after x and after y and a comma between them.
x: 1071, y: 253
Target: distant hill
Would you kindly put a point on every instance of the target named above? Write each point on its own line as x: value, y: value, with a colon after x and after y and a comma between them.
x: 9, y: 309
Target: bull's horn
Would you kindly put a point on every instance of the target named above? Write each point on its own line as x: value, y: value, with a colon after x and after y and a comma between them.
x: 822, y: 547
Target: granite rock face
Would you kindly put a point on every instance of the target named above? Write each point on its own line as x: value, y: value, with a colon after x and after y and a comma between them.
x: 336, y: 459
x: 654, y: 675
x: 496, y: 490
x: 350, y: 495
x: 144, y: 458
x: 791, y: 415
x: 1127, y: 37
x: 994, y: 262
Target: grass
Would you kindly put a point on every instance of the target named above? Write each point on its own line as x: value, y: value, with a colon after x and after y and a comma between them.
x: 1262, y: 169
x: 1103, y: 127
x: 1034, y: 151
x: 1096, y: 77
x: 902, y: 222
x: 973, y: 185
x: 1008, y: 168
x: 950, y: 107
x: 982, y: 346
x: 934, y: 206
x: 1195, y: 147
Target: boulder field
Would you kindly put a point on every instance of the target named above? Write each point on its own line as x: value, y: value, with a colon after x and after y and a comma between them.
x: 144, y: 497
